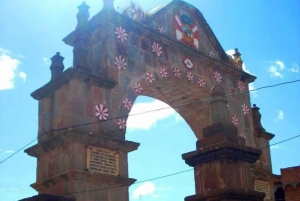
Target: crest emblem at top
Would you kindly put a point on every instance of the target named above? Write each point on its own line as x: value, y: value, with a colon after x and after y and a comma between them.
x: 186, y: 30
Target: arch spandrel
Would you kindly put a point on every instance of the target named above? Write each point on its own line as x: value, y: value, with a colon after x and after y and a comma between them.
x: 177, y: 19
x: 129, y: 51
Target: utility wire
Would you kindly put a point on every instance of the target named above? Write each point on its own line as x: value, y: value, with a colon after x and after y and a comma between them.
x: 175, y: 106
x: 164, y: 176
x: 18, y: 151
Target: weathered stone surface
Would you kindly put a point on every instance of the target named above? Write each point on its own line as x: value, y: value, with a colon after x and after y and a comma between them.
x: 67, y: 104
x: 48, y: 197
x: 228, y: 195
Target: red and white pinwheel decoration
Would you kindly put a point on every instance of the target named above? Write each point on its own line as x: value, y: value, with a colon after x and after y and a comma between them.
x: 176, y: 72
x: 201, y: 82
x: 121, y: 123
x: 101, y: 112
x: 211, y: 53
x: 217, y: 77
x: 120, y: 62
x: 156, y: 49
x: 245, y: 109
x: 189, y: 76
x: 137, y: 88
x: 150, y: 77
x: 127, y: 103
x: 235, y: 120
x: 121, y: 34
x: 163, y: 72
x: 242, y: 135
x: 241, y: 85
x: 161, y: 30
x: 188, y: 63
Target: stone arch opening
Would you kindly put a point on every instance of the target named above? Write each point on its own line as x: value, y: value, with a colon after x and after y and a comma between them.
x: 279, y: 194
x: 167, y: 134
x: 189, y: 100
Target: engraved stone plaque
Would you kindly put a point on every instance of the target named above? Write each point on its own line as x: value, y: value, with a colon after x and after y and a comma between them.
x: 262, y: 186
x: 102, y: 160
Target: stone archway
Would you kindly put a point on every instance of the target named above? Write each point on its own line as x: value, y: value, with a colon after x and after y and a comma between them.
x: 164, y: 136
x: 172, y: 56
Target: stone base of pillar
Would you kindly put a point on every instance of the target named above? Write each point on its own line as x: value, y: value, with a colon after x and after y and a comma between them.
x: 228, y: 195
x: 48, y: 197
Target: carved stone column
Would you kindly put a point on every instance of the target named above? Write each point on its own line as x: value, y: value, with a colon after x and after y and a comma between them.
x: 221, y: 161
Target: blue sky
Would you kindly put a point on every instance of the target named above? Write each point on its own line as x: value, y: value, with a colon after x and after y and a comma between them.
x: 266, y: 33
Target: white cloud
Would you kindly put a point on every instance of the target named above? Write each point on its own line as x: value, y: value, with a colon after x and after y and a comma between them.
x: 9, y: 151
x: 23, y: 76
x: 280, y: 115
x: 276, y: 147
x: 8, y: 69
x: 253, y: 90
x: 280, y: 64
x: 147, y: 188
x: 148, y: 119
x: 295, y: 68
x: 46, y: 61
x: 245, y: 69
x: 276, y: 69
x: 275, y: 72
x: 230, y: 52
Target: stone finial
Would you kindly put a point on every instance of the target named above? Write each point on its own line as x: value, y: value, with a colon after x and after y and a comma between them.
x: 218, y: 105
x: 57, y: 66
x: 256, y: 118
x: 108, y: 4
x: 82, y: 15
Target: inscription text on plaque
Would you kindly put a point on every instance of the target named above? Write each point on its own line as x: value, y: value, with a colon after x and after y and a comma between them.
x: 102, y: 160
x: 262, y: 186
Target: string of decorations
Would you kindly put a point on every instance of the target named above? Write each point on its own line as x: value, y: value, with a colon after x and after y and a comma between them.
x: 102, y: 112
x: 179, y: 105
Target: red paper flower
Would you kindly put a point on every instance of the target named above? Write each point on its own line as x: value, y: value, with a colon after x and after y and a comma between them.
x: 217, y: 76
x: 176, y: 72
x: 137, y: 88
x: 163, y: 72
x: 121, y: 33
x: 201, y: 82
x: 127, y: 103
x: 122, y: 123
x: 189, y: 76
x: 120, y: 62
x: 245, y: 109
x: 101, y: 112
x: 150, y: 77
x: 156, y: 49
x: 235, y: 120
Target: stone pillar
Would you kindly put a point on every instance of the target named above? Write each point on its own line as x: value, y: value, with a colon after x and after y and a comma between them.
x: 108, y: 5
x: 88, y: 162
x: 80, y: 51
x: 57, y: 66
x: 222, y: 161
x: 262, y: 139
